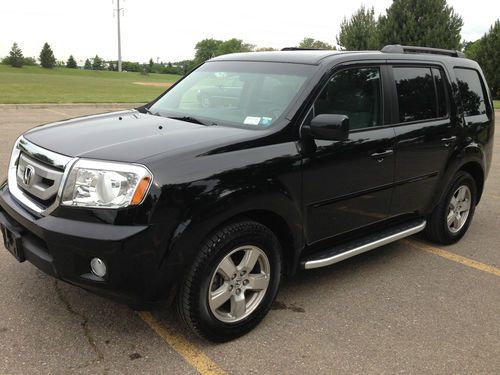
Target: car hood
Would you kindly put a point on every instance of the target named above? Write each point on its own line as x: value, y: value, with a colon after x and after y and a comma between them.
x: 131, y: 136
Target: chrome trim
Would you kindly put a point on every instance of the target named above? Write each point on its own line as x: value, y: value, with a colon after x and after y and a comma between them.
x: 45, y: 156
x: 36, y: 152
x: 30, y: 175
x: 367, y: 247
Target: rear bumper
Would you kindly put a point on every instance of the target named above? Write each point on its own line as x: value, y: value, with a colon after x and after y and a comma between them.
x: 63, y: 249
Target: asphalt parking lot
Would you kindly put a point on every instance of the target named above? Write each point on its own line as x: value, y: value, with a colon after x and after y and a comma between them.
x: 409, y: 307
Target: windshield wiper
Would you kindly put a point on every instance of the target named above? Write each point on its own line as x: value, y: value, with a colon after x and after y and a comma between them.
x: 147, y: 110
x: 194, y: 120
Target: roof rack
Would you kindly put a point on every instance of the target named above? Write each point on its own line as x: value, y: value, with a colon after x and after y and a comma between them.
x: 397, y: 48
x: 301, y: 49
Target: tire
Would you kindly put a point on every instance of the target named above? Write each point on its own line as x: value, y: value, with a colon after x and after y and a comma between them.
x: 220, y: 299
x: 438, y: 229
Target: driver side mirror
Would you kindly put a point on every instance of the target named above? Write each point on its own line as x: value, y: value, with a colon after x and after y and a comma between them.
x: 329, y: 127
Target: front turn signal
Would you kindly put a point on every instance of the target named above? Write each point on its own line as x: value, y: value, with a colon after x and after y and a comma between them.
x: 141, y: 190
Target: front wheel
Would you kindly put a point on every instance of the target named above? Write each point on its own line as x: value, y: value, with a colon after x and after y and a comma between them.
x: 232, y: 282
x: 451, y: 218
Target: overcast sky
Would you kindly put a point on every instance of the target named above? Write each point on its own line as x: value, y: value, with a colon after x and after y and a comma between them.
x: 168, y: 30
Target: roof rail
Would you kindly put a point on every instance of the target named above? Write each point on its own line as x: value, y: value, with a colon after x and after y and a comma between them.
x: 301, y: 49
x: 397, y: 48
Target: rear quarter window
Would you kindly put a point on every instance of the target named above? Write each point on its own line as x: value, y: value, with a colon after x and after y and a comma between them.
x: 471, y: 92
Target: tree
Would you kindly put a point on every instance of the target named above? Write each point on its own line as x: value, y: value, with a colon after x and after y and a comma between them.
x: 15, y: 58
x: 487, y: 54
x: 233, y: 46
x: 47, y: 59
x: 87, y: 65
x: 360, y: 32
x: 97, y: 63
x: 470, y: 49
x: 206, y: 49
x: 30, y: 61
x: 71, y: 63
x: 427, y: 23
x: 263, y: 49
x: 151, y: 65
x: 313, y: 43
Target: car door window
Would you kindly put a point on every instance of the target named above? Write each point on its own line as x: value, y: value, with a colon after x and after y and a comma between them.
x: 471, y: 92
x: 416, y: 93
x: 355, y: 93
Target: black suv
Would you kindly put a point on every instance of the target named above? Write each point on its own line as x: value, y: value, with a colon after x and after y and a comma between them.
x: 252, y: 166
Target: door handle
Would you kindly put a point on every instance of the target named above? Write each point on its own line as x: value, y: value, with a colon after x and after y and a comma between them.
x: 380, y: 156
x: 448, y: 140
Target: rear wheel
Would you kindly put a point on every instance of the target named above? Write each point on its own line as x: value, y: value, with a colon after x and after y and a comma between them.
x: 451, y: 218
x: 232, y: 282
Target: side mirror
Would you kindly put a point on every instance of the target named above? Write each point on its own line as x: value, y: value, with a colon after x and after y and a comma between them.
x: 329, y: 127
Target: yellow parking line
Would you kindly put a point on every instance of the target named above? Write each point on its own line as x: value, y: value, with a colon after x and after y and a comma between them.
x: 192, y: 355
x: 56, y: 112
x: 455, y: 257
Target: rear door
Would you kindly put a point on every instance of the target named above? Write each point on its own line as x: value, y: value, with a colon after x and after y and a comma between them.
x: 348, y: 184
x: 425, y: 133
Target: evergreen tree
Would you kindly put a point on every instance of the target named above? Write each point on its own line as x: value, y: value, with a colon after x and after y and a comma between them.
x: 360, y: 32
x: 15, y: 58
x: 97, y: 63
x: 47, y: 59
x: 71, y: 63
x: 88, y: 65
x: 487, y: 54
x: 426, y: 23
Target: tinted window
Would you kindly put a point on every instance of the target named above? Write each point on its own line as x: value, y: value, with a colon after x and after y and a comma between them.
x: 416, y: 94
x: 471, y: 91
x: 354, y: 93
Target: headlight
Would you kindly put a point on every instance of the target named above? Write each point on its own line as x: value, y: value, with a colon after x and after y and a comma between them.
x: 101, y: 184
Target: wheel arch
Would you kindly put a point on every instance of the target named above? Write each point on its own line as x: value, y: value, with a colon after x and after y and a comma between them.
x: 279, y: 226
x: 476, y: 171
x: 274, y: 210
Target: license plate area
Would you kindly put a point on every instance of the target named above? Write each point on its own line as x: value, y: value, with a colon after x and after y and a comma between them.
x: 12, y: 242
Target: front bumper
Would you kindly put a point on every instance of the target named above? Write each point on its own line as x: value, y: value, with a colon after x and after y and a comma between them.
x: 63, y: 248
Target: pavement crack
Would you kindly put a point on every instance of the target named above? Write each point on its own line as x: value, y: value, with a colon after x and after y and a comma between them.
x: 84, y: 323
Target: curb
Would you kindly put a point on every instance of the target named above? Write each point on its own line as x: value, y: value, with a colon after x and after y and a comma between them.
x: 70, y: 105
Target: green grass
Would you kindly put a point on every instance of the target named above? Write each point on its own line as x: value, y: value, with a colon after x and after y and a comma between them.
x: 33, y: 84
x: 496, y: 104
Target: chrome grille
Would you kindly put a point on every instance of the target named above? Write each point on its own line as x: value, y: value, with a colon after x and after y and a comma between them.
x: 36, y: 176
x: 38, y: 179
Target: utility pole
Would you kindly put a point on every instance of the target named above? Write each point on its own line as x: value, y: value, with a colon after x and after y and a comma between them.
x: 118, y: 10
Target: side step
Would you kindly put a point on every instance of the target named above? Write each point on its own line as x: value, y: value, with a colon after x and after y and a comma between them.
x: 361, y: 245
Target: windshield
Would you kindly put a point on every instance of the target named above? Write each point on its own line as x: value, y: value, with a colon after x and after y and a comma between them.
x: 250, y: 94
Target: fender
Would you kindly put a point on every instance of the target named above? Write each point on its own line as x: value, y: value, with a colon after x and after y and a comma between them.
x: 203, y: 216
x: 474, y: 154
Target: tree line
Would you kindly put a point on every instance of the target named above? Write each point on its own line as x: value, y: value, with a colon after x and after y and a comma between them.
x: 427, y: 23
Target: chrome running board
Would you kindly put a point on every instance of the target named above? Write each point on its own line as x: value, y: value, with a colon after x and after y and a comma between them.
x: 350, y: 249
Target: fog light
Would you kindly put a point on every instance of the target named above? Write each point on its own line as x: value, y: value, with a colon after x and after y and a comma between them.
x: 98, y: 267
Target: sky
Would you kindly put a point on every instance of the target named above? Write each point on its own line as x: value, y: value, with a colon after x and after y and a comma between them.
x: 168, y: 30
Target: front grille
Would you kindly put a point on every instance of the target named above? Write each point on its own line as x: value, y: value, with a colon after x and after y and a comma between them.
x: 35, y: 175
x: 39, y: 180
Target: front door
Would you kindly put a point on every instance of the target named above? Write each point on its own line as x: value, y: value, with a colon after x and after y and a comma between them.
x: 348, y: 184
